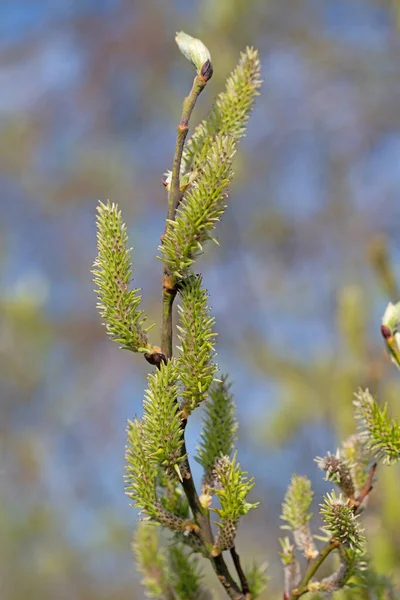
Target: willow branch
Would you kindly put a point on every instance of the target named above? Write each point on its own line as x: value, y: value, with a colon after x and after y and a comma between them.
x: 174, y: 198
x: 175, y: 194
x: 225, y: 578
x: 202, y: 517
x: 200, y: 514
x: 312, y: 568
x: 243, y: 581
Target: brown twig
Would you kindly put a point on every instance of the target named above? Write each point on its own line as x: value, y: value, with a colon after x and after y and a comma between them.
x: 366, y: 489
x: 243, y: 581
x: 200, y: 514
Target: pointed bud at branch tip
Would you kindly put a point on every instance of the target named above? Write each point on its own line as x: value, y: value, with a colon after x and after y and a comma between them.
x: 390, y: 330
x: 207, y: 71
x: 391, y: 316
x: 195, y: 51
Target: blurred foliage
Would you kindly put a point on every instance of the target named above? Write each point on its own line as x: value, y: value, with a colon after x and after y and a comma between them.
x: 90, y: 97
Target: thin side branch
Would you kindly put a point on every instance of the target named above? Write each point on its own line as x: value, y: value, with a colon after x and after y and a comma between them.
x: 312, y: 568
x: 314, y: 565
x: 243, y: 581
x: 366, y: 489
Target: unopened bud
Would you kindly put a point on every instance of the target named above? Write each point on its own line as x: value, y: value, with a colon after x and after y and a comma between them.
x: 195, y: 51
x: 390, y: 330
x: 391, y: 317
x: 207, y: 70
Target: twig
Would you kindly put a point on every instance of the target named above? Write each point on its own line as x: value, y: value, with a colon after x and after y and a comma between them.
x: 243, y: 581
x: 175, y: 194
x: 333, y: 543
x: 312, y: 569
x: 201, y: 515
x: 174, y: 198
x: 225, y: 578
x: 366, y: 489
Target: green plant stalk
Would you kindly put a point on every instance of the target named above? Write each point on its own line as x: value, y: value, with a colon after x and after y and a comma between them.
x: 201, y: 515
x: 243, y: 581
x: 174, y: 198
x: 312, y: 568
x: 175, y: 194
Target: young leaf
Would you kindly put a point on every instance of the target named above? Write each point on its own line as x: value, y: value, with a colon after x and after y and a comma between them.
x: 378, y: 432
x: 257, y: 579
x: 351, y: 564
x: 358, y: 460
x: 196, y: 353
x: 141, y: 481
x: 232, y: 492
x: 141, y: 473
x: 200, y: 210
x: 162, y: 426
x: 231, y: 111
x: 185, y: 575
x: 219, y: 426
x: 295, y: 511
x: 151, y: 563
x: 118, y: 305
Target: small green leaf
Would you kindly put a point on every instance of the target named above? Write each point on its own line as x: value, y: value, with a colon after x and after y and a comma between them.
x: 118, y: 305
x: 162, y: 426
x: 378, y: 432
x: 200, y: 209
x: 232, y: 490
x: 196, y: 352
x: 295, y: 512
x: 219, y: 427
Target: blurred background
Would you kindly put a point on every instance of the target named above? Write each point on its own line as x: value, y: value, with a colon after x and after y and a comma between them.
x: 91, y: 92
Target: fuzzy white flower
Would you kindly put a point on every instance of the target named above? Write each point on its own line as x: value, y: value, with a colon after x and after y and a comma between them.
x: 193, y: 49
x: 391, y: 317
